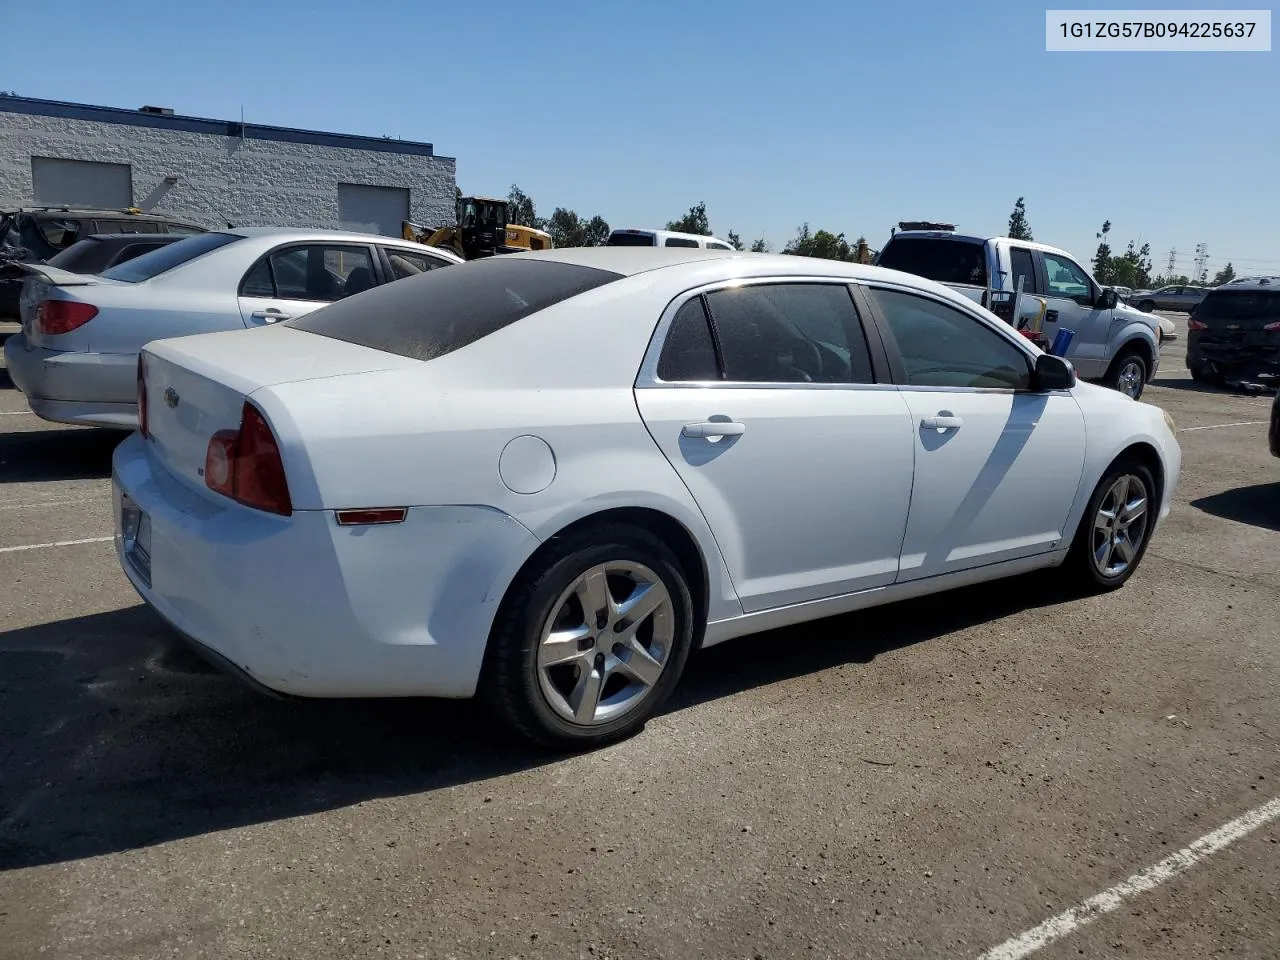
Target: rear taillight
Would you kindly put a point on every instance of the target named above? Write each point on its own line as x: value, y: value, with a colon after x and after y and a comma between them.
x: 246, y: 466
x: 142, y: 394
x: 1272, y: 327
x: 1194, y: 324
x: 62, y: 316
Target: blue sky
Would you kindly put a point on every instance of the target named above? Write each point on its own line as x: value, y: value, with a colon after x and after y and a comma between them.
x: 848, y: 114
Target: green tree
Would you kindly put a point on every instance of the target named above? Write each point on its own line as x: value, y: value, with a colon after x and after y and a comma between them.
x: 1225, y: 275
x: 520, y: 209
x: 695, y: 221
x: 823, y: 244
x: 566, y: 228
x: 760, y: 246
x: 1019, y: 228
x: 1102, y: 258
x: 595, y: 231
x: 735, y: 241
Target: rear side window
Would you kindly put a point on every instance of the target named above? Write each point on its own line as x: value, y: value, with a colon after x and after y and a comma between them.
x: 629, y: 240
x: 689, y: 352
x: 1222, y: 305
x: 680, y: 242
x: 435, y: 313
x: 790, y: 333
x: 937, y: 258
x: 166, y: 258
x: 1023, y: 269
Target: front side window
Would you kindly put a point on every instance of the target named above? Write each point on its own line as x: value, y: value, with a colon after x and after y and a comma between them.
x: 941, y: 346
x: 790, y: 333
x: 1066, y: 278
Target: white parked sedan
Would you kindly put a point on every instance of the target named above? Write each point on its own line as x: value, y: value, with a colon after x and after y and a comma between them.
x: 77, y: 355
x: 548, y: 477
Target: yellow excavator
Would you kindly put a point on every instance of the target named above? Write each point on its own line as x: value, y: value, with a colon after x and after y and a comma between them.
x: 481, y: 230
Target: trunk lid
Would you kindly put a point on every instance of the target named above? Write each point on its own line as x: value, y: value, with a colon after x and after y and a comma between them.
x: 43, y: 282
x: 197, y: 385
x: 1238, y: 319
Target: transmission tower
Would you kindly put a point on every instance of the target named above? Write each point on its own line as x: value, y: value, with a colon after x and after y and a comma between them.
x: 1202, y: 262
x: 1173, y: 258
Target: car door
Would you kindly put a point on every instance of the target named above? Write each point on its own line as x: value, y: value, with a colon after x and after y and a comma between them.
x: 296, y: 278
x: 1071, y: 294
x: 996, y: 463
x: 764, y: 399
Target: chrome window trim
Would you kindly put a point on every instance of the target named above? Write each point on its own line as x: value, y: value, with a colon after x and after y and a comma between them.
x: 647, y: 378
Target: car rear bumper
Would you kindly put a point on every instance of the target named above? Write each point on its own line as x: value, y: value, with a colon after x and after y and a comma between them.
x: 95, y: 389
x: 305, y: 607
x: 1261, y: 357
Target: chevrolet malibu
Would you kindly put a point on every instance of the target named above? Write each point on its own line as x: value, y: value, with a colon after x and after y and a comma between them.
x: 546, y: 478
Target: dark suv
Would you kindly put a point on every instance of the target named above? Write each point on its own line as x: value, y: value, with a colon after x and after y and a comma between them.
x: 1233, y: 334
x: 37, y: 234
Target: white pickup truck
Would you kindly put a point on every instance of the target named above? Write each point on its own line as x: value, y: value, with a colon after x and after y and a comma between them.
x: 1114, y: 343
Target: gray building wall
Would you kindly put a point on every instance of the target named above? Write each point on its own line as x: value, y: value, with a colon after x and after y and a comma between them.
x: 271, y: 177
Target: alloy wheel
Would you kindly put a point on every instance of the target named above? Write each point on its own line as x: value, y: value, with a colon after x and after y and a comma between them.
x: 1120, y: 525
x: 1129, y: 378
x: 606, y: 644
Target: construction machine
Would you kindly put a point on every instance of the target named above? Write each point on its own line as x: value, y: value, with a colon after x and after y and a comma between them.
x: 480, y: 230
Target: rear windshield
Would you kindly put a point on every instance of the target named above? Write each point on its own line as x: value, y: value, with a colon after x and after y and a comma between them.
x: 629, y: 240
x: 1239, y: 305
x: 937, y: 258
x: 166, y: 258
x: 440, y: 311
x: 80, y: 250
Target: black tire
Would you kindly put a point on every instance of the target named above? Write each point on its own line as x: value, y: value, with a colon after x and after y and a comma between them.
x: 1127, y: 358
x: 1206, y: 375
x: 511, y: 679
x: 1080, y: 565
x: 1146, y: 306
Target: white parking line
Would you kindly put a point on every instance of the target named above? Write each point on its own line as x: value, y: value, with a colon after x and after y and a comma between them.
x: 56, y: 543
x: 1055, y: 928
x: 1219, y: 426
x: 60, y: 501
x: 16, y: 413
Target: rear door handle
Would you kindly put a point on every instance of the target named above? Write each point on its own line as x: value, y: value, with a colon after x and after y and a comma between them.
x: 942, y: 422
x: 270, y: 315
x: 709, y: 429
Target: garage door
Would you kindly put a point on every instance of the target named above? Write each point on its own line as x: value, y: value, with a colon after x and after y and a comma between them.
x: 81, y: 183
x: 372, y: 209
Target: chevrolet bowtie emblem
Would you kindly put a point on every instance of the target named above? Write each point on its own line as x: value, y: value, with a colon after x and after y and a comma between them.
x: 171, y: 396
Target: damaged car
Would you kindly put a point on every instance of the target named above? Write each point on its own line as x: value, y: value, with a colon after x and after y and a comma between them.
x: 1234, y: 334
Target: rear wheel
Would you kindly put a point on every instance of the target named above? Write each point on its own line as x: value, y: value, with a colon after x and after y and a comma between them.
x: 1202, y: 373
x: 1146, y: 306
x: 1115, y: 528
x: 591, y: 642
x: 1128, y: 373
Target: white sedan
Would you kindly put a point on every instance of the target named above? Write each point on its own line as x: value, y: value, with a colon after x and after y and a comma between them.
x: 76, y: 357
x: 547, y: 477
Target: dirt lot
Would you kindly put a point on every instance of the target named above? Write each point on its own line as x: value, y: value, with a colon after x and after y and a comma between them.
x: 927, y: 780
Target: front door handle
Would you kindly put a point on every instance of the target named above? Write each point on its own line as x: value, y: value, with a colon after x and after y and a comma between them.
x: 942, y: 422
x: 1051, y: 316
x: 711, y: 429
x: 269, y: 315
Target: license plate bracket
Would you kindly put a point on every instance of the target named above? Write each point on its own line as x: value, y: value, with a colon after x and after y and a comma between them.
x: 135, y: 531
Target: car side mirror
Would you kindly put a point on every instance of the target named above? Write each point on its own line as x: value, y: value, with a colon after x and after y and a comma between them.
x: 1053, y: 373
x: 1107, y: 300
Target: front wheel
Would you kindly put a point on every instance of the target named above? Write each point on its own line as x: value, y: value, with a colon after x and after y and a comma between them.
x: 1128, y: 374
x: 591, y: 642
x: 1115, y: 529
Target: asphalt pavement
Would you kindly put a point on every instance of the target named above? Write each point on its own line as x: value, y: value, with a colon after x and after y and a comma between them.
x: 938, y: 778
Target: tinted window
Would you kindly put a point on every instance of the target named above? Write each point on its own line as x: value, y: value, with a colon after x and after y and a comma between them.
x: 1066, y: 279
x: 1022, y: 269
x: 1239, y: 305
x: 790, y: 333
x: 81, y: 254
x: 135, y: 250
x: 60, y: 233
x: 689, y: 353
x: 718, y: 246
x: 410, y: 263
x: 629, y: 240
x: 324, y: 272
x: 184, y: 229
x: 943, y: 347
x: 258, y: 282
x: 166, y: 258
x: 441, y: 311
x: 937, y: 258
x: 680, y: 242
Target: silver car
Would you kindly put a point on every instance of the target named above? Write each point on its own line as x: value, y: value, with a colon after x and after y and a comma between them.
x: 1179, y: 298
x: 77, y: 355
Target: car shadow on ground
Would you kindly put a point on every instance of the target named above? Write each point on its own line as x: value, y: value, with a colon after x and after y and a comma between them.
x: 118, y: 737
x: 1227, y: 390
x: 34, y: 456
x: 1258, y: 506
